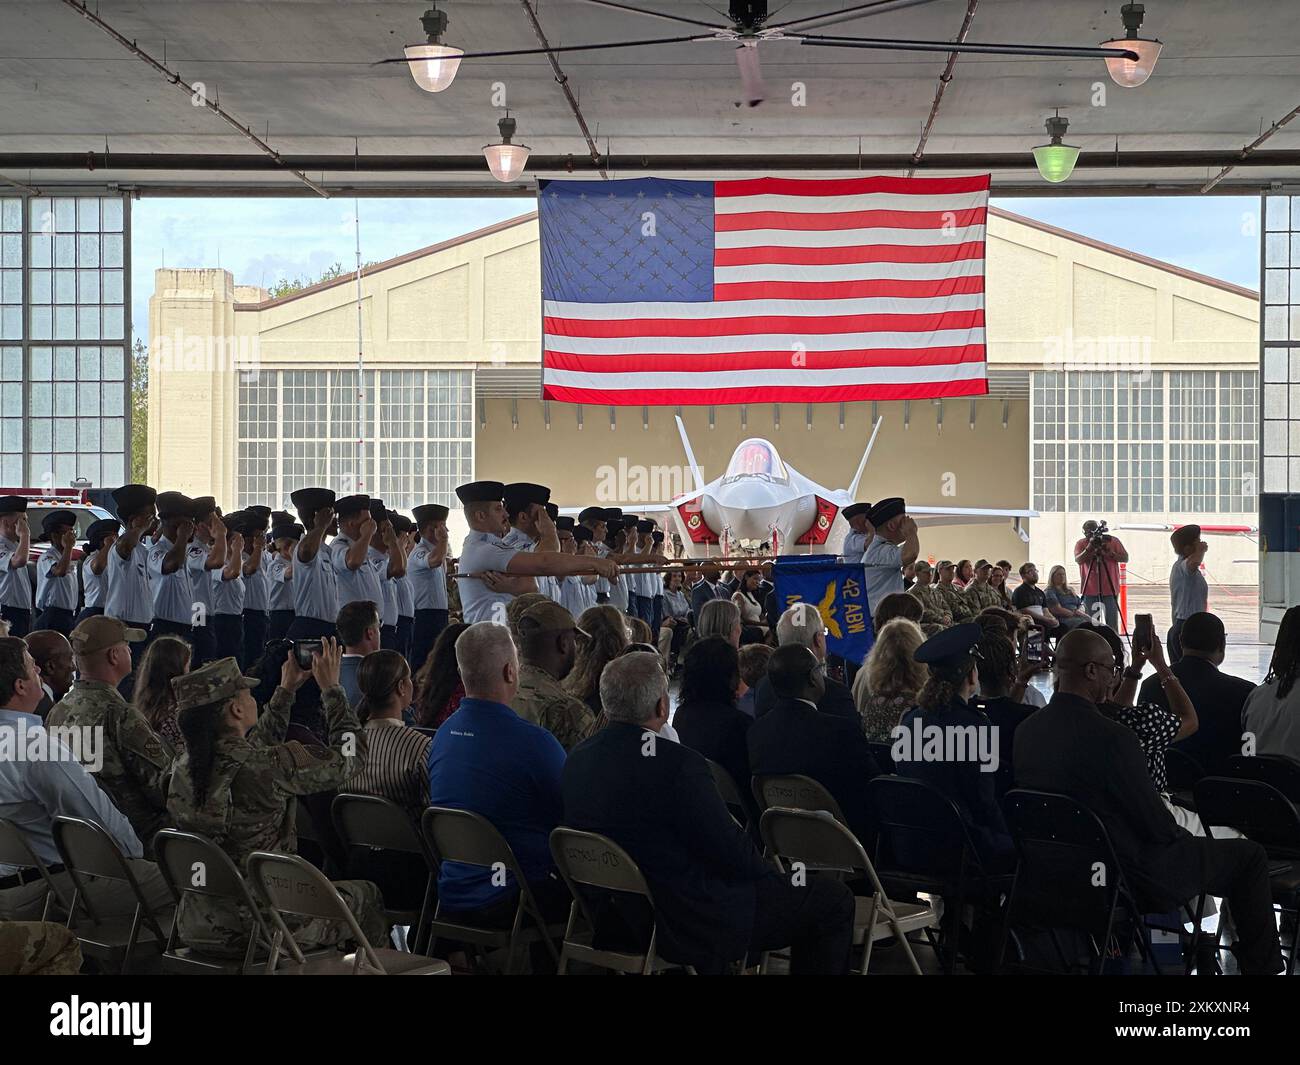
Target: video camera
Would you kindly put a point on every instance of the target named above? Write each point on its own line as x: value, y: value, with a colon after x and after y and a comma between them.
x: 1099, y: 536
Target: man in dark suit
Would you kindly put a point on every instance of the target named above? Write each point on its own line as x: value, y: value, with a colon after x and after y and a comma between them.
x: 1069, y: 747
x: 795, y: 737
x: 802, y: 626
x: 706, y: 589
x: 1218, y: 697
x: 52, y: 654
x: 716, y: 899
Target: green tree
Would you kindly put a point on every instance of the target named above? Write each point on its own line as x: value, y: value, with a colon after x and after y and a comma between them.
x: 139, y: 412
x: 287, y: 286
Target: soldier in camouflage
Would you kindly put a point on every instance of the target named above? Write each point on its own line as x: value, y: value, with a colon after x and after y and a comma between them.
x: 934, y: 609
x: 949, y: 594
x: 547, y: 638
x: 38, y: 948
x: 237, y: 784
x: 136, y: 760
x: 980, y: 594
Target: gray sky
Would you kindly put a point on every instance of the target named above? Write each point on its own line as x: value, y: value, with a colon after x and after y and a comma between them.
x: 262, y: 240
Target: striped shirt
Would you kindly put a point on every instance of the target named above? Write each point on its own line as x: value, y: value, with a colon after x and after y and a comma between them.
x: 396, y: 765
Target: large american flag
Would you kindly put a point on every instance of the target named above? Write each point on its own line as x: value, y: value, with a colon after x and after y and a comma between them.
x: 663, y: 292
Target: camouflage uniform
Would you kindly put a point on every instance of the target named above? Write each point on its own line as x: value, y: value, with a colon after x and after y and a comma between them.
x: 953, y: 601
x: 544, y: 702
x: 136, y: 759
x: 934, y: 608
x: 38, y: 948
x: 251, y: 805
x: 981, y: 596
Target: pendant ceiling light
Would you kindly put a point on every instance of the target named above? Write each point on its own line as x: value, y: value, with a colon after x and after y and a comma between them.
x: 1056, y: 160
x: 433, y: 65
x: 506, y: 160
x: 1131, y: 73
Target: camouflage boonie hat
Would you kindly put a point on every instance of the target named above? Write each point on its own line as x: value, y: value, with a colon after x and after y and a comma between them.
x: 210, y: 684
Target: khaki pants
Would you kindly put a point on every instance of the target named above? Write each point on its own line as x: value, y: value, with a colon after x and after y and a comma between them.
x: 110, y: 898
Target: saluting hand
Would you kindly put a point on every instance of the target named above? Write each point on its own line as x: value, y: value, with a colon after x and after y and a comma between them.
x: 184, y: 530
x: 68, y: 540
x: 216, y: 526
x: 325, y: 663
x: 322, y: 518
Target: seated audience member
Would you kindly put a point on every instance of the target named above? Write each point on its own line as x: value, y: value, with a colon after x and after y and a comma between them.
x: 638, y: 629
x: 889, y: 681
x: 801, y: 626
x: 358, y: 629
x: 136, y: 760
x: 1072, y: 747
x: 793, y: 736
x: 53, y: 656
x: 966, y: 769
x: 490, y: 760
x: 964, y: 575
x: 720, y: 617
x: 34, y: 790
x: 707, y: 718
x: 948, y: 593
x: 998, y: 582
x: 716, y: 899
x: 749, y: 598
x: 438, y: 687
x: 1156, y: 725
x: 548, y: 644
x: 981, y: 593
x: 236, y: 784
x: 753, y: 668
x: 166, y: 658
x: 934, y: 607
x: 676, y: 622
x: 39, y: 948
x: 706, y: 589
x: 1001, y: 694
x: 1271, y: 716
x: 1062, y: 602
x: 606, y: 639
x: 897, y: 605
x: 1031, y: 600
x: 1217, y: 697
x: 396, y: 765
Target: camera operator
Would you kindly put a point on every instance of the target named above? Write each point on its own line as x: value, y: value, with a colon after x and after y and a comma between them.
x: 1099, y: 555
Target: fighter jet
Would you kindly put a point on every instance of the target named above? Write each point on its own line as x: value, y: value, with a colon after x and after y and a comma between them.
x: 760, y: 500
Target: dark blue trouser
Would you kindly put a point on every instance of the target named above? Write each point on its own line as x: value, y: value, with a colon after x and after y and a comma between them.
x: 279, y: 625
x: 428, y: 625
x: 255, y: 626
x: 204, y: 638
x: 19, y: 618
x: 228, y: 630
x: 89, y: 612
x: 1174, y: 641
x: 658, y: 612
x: 310, y: 629
x: 58, y: 618
x: 405, y: 626
x: 641, y: 606
x: 388, y: 637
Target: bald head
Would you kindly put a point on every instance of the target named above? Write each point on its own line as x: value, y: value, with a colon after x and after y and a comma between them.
x: 794, y: 672
x: 1084, y: 665
x: 485, y: 657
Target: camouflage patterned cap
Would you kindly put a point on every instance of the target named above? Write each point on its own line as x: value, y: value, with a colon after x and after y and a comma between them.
x: 99, y: 632
x: 210, y: 684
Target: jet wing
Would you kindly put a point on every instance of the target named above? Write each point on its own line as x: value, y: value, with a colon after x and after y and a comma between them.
x: 931, y: 516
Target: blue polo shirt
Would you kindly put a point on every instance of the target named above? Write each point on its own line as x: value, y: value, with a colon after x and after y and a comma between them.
x: 488, y: 759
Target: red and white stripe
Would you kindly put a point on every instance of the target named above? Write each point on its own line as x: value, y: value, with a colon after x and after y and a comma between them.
x: 824, y: 290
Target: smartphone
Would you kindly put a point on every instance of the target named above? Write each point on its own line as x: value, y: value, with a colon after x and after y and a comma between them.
x: 1033, y: 645
x: 1143, y: 630
x: 304, y: 649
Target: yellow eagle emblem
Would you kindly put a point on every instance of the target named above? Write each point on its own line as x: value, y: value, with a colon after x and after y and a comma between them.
x: 828, y: 610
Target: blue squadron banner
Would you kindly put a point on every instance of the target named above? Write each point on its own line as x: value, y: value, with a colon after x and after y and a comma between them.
x: 837, y: 591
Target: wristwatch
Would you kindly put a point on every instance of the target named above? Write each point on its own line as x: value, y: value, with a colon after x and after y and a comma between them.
x: 1133, y: 673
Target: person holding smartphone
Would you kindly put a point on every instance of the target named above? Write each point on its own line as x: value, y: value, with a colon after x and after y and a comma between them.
x: 1188, y: 591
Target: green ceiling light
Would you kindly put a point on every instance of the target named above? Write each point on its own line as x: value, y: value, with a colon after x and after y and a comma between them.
x: 433, y: 65
x: 1056, y: 161
x: 1130, y: 73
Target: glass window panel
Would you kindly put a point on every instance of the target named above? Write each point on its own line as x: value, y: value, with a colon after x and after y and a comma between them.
x: 88, y: 214
x: 113, y: 359
x: 87, y: 434
x: 11, y: 435
x: 42, y: 323
x: 88, y: 468
x: 65, y: 323
x: 11, y: 400
x: 111, y: 211
x: 113, y: 291
x: 65, y: 215
x: 11, y: 364
x: 11, y: 250
x: 1275, y: 323
x: 88, y: 399
x: 11, y: 468
x: 65, y: 399
x: 41, y: 219
x: 42, y: 363
x: 65, y: 470
x: 65, y: 363
x: 112, y: 399
x: 1277, y: 212
x: 65, y: 249
x: 65, y: 286
x: 113, y: 468
x: 42, y: 286
x: 1277, y: 248
x: 40, y: 245
x: 11, y: 215
x: 40, y: 470
x: 114, y: 434
x: 11, y: 286
x: 42, y: 399
x: 113, y: 327
x: 65, y: 434
x: 88, y: 249
x: 88, y: 323
x: 42, y: 434
x: 88, y: 286
x: 11, y: 323
x: 113, y: 250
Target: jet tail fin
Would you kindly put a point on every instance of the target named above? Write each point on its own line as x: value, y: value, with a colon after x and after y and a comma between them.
x: 857, y: 477
x: 690, y: 455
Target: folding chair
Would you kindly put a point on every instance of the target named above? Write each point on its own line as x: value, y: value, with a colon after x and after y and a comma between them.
x: 287, y: 883
x: 823, y: 844
x: 587, y: 859
x: 926, y: 848
x: 88, y: 850
x: 471, y: 839
x: 15, y: 850
x: 1264, y: 814
x: 794, y: 792
x: 195, y: 865
x: 730, y: 793
x: 1182, y: 772
x: 1068, y: 876
x: 883, y: 753
x: 1273, y: 769
x: 381, y: 825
